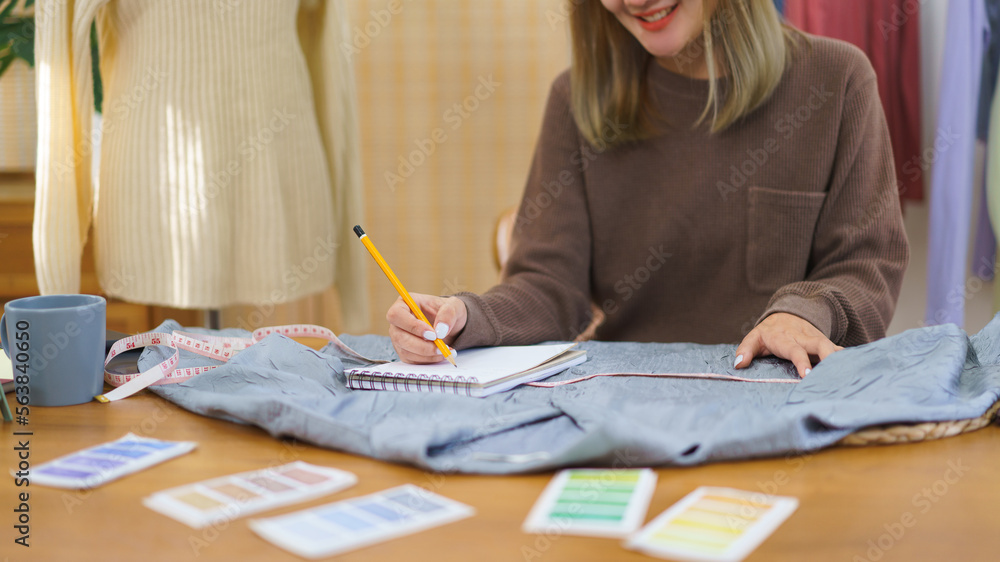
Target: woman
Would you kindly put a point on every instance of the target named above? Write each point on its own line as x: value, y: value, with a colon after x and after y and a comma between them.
x: 746, y: 196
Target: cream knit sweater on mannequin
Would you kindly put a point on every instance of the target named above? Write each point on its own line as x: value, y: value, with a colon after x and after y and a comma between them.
x: 229, y: 166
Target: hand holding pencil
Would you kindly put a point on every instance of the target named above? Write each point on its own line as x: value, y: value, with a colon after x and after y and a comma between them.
x: 411, y: 342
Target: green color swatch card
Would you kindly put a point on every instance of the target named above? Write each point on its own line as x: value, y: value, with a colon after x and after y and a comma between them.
x: 593, y: 502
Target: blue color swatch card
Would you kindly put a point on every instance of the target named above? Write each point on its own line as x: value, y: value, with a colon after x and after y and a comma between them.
x: 103, y: 463
x: 350, y: 524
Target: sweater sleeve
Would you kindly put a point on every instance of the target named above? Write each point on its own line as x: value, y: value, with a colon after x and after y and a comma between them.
x: 323, y: 32
x: 545, y: 289
x: 63, y: 190
x: 859, y: 249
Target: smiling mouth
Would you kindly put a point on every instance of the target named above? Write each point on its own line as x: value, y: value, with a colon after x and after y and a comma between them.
x: 659, y: 15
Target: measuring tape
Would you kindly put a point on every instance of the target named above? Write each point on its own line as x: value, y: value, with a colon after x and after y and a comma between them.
x: 215, y: 347
x: 709, y: 376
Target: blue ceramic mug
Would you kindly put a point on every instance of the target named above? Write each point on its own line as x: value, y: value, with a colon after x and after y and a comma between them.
x: 56, y: 348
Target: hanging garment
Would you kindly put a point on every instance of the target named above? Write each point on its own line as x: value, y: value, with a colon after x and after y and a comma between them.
x: 889, y: 33
x: 985, y: 247
x: 991, y: 68
x: 952, y: 174
x: 229, y: 168
x: 993, y: 185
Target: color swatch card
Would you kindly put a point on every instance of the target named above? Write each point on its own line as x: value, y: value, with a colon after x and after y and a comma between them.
x: 593, y: 502
x: 103, y: 463
x: 357, y: 522
x: 714, y: 525
x: 231, y: 497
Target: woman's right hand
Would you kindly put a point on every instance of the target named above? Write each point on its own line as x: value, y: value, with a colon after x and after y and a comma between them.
x: 413, y: 339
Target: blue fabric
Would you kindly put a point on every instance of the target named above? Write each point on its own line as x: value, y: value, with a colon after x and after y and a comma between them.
x: 928, y: 374
x: 780, y: 5
x: 951, y: 176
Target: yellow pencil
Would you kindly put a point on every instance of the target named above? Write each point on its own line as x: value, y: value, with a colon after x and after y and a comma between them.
x: 402, y: 291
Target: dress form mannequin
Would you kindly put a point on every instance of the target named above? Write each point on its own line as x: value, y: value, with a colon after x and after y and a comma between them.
x: 229, y: 169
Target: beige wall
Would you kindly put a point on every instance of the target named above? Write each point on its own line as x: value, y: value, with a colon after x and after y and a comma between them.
x: 414, y: 61
x: 435, y: 226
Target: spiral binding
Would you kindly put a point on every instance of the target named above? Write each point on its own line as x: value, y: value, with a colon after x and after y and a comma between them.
x: 375, y: 380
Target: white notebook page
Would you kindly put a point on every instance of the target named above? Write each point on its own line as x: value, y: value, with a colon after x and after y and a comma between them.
x: 487, y: 364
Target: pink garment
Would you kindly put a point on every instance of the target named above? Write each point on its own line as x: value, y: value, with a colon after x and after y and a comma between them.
x: 888, y: 31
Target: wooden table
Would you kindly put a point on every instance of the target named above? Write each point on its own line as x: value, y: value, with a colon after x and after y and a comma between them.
x: 855, y: 503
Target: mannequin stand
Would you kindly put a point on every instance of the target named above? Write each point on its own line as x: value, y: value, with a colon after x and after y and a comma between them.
x: 213, y: 319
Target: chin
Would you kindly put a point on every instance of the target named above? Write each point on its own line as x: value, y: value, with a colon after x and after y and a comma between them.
x: 667, y: 36
x: 664, y: 49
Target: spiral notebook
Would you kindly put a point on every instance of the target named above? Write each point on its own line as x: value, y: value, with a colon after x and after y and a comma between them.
x: 481, y: 371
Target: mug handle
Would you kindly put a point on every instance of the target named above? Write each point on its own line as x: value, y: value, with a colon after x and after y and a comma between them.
x: 3, y: 334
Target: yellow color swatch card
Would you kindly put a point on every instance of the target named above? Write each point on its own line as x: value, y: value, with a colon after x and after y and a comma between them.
x: 713, y: 525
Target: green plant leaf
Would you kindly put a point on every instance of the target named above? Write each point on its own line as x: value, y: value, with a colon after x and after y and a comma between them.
x: 5, y: 61
x: 24, y: 49
x: 95, y: 64
x: 7, y: 8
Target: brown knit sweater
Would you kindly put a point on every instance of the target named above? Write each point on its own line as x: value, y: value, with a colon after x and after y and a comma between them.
x: 696, y: 237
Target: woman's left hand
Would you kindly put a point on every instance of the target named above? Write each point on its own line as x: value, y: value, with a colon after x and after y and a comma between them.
x: 786, y: 336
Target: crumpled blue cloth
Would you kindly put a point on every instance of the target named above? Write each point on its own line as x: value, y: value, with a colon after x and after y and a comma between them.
x: 936, y: 373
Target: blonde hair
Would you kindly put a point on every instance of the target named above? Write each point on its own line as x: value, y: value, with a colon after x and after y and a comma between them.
x: 752, y: 49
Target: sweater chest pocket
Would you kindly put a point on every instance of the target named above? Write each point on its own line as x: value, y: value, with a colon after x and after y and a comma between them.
x: 781, y: 225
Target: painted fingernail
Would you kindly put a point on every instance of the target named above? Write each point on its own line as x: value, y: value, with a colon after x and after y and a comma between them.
x: 430, y: 336
x: 454, y: 353
x: 442, y: 329
x: 738, y: 359
x: 808, y: 371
